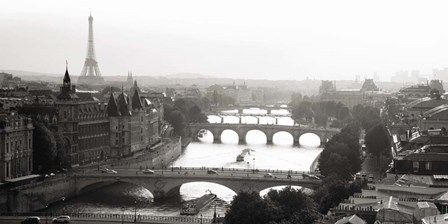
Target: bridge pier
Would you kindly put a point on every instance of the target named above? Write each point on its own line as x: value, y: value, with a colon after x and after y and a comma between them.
x: 217, y: 139
x: 240, y: 111
x: 242, y: 141
x: 268, y: 111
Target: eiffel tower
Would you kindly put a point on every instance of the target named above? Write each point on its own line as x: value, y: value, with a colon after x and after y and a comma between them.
x: 90, y: 74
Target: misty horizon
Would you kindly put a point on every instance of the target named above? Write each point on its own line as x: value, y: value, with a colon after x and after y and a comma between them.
x: 248, y: 40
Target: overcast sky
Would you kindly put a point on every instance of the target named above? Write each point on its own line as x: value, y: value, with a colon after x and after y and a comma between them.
x: 236, y: 39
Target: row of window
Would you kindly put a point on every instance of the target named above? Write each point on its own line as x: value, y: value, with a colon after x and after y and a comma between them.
x: 18, y: 167
x: 17, y: 145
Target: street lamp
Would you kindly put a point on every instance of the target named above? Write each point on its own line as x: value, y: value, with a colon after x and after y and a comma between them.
x: 201, y: 218
x: 122, y: 215
x: 253, y: 164
x: 135, y: 211
x: 63, y: 208
x: 214, y: 216
x: 46, y: 214
x: 162, y: 166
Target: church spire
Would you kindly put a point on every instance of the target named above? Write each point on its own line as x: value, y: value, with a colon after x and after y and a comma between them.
x: 66, y: 81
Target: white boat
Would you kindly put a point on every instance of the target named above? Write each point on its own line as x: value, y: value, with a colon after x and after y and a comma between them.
x: 243, y: 154
x: 194, y: 206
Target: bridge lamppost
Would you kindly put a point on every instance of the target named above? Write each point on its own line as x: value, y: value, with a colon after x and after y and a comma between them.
x: 122, y: 215
x: 135, y: 211
x: 63, y: 208
x: 46, y: 214
x: 253, y: 170
x: 201, y: 218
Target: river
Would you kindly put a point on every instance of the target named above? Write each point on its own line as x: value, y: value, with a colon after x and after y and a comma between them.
x: 282, y: 155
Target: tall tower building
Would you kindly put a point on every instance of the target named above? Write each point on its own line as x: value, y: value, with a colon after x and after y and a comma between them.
x: 90, y: 74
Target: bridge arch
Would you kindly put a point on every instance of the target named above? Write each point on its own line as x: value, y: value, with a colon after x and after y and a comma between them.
x: 229, y: 132
x: 310, y: 139
x: 283, y: 138
x: 162, y: 186
x: 245, y: 134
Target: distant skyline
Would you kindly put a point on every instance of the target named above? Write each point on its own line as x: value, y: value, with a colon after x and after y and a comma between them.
x: 285, y: 40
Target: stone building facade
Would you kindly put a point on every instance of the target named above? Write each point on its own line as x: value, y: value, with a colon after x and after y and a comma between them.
x: 16, y: 146
x: 134, y: 123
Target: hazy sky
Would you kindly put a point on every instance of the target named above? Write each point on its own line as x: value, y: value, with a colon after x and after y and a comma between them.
x: 235, y: 39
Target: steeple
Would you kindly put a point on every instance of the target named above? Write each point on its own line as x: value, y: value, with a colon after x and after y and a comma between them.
x: 123, y: 104
x: 66, y: 82
x: 112, y: 108
x: 67, y: 92
x: 136, y: 102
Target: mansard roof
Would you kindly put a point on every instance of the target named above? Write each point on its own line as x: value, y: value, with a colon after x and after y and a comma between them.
x: 123, y: 105
x: 112, y: 108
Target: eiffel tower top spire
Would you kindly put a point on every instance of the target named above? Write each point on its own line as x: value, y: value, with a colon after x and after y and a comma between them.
x: 90, y: 68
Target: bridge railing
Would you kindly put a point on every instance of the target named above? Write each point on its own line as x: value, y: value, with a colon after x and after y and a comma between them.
x: 115, y: 216
x: 219, y: 169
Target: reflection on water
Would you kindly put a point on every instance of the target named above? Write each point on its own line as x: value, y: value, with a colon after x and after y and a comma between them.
x: 281, y: 155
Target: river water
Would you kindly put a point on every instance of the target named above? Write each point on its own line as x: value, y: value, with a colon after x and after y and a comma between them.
x: 282, y: 155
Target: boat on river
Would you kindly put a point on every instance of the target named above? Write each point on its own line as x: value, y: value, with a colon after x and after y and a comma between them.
x: 243, y: 154
x: 193, y: 207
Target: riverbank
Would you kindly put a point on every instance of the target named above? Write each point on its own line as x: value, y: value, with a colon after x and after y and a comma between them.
x: 156, y: 158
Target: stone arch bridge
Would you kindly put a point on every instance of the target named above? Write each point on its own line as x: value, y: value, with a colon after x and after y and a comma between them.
x: 269, y: 130
x: 163, y: 183
x: 169, y: 183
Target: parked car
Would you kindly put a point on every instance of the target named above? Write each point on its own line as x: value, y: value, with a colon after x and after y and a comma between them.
x: 212, y: 172
x: 104, y: 170
x: 110, y: 171
x: 148, y: 171
x: 62, y: 219
x: 370, y: 179
x: 31, y: 220
x: 311, y: 176
x: 268, y: 175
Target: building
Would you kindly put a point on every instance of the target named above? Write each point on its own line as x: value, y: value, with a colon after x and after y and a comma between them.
x: 369, y: 94
x: 369, y: 85
x: 80, y: 117
x: 414, y: 92
x: 430, y: 159
x: 353, y: 219
x: 435, y: 118
x: 418, y: 107
x: 16, y: 146
x: 134, y: 123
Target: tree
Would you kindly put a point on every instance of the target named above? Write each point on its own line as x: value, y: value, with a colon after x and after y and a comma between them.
x: 196, y: 115
x: 333, y: 190
x: 249, y: 208
x: 61, y: 160
x: 294, y: 205
x: 377, y: 141
x: 44, y: 147
x: 177, y: 120
x: 286, y: 206
x: 333, y: 163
